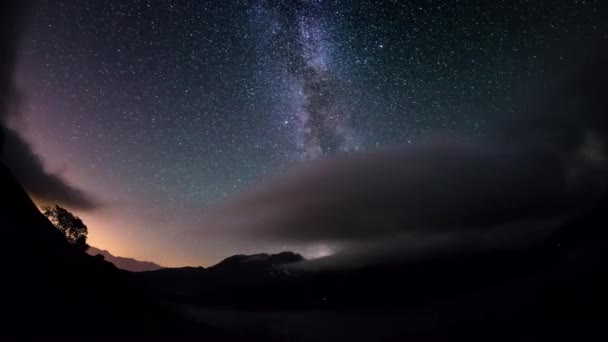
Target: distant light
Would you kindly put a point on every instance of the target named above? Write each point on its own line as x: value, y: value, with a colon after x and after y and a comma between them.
x: 318, y: 251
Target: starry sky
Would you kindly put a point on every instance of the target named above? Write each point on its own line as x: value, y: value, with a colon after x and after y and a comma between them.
x: 162, y: 109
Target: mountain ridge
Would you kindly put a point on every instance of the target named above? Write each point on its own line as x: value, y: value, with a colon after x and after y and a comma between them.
x: 124, y: 263
x: 260, y: 259
x: 120, y: 307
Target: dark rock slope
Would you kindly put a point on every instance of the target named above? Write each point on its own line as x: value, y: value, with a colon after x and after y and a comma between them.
x: 49, y: 287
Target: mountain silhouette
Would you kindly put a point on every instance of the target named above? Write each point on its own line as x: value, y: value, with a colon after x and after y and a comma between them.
x: 261, y: 261
x: 551, y: 290
x: 554, y: 289
x: 127, y: 264
x: 49, y: 286
x: 239, y: 273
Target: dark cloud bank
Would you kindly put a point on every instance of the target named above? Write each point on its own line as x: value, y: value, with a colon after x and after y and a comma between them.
x: 444, y: 194
x: 15, y: 152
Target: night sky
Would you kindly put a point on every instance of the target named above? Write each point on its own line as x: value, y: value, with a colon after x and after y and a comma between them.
x: 162, y: 109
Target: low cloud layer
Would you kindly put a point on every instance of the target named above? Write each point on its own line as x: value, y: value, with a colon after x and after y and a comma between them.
x: 15, y: 152
x: 438, y: 186
x: 540, y: 168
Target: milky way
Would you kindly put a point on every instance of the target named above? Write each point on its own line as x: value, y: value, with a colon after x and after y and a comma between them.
x: 300, y: 33
x: 161, y: 109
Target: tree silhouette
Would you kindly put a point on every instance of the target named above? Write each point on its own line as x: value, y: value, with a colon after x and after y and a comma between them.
x: 70, y: 225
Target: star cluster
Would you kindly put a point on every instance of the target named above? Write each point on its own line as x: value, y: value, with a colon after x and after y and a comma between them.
x: 162, y: 108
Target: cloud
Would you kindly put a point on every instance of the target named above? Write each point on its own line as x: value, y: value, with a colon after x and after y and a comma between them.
x: 15, y: 152
x: 418, y: 246
x: 30, y: 171
x: 438, y: 186
x: 540, y: 168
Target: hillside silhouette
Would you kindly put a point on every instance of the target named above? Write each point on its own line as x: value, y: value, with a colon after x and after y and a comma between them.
x: 48, y: 282
x: 554, y: 289
x: 551, y: 289
x: 127, y: 264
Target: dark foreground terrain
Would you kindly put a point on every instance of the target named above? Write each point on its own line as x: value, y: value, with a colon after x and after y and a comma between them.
x: 552, y: 290
x: 52, y: 288
x: 555, y: 290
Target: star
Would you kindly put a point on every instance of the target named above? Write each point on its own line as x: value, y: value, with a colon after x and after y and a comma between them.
x: 158, y: 107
